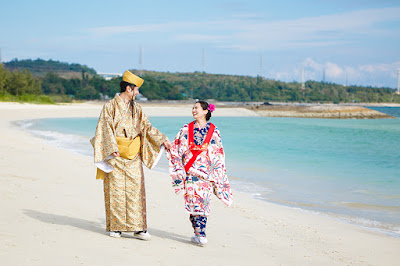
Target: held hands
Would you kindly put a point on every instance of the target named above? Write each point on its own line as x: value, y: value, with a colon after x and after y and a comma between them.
x: 115, y: 154
x: 167, y: 144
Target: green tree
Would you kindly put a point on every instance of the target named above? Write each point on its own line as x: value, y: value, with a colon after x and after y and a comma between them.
x: 5, y: 75
x: 87, y: 93
x: 53, y: 84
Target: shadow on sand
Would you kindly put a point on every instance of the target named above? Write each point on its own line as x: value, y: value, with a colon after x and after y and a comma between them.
x: 169, y: 235
x: 96, y: 227
x: 50, y: 218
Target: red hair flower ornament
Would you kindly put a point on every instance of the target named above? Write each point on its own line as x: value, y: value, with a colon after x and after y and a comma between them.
x: 211, y: 107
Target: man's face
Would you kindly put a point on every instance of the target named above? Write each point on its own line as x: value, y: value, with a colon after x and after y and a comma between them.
x: 133, y: 91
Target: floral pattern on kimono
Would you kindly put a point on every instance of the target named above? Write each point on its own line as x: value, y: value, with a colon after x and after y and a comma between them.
x: 205, y: 177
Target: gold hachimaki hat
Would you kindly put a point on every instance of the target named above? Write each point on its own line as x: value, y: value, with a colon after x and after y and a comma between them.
x: 132, y: 78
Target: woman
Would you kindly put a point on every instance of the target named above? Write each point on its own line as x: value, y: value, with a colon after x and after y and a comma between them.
x: 197, y: 166
x: 124, y: 140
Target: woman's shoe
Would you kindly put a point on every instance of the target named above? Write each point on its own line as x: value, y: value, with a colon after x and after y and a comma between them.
x: 200, y: 240
x: 143, y: 235
x: 115, y: 233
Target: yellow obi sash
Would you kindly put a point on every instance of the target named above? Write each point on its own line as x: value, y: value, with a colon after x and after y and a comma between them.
x: 128, y: 149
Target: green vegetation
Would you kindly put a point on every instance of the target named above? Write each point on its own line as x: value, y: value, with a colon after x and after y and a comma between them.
x: 245, y: 88
x: 21, y: 86
x: 154, y: 89
x: 18, y: 83
x: 26, y: 98
x: 40, y: 67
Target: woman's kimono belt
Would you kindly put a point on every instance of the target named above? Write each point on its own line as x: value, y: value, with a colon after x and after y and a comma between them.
x: 197, y: 149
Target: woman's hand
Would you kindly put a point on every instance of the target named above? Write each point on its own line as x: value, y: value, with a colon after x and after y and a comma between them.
x: 167, y: 144
x: 115, y: 154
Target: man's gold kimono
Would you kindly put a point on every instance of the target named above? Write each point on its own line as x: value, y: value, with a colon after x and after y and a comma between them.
x: 124, y: 190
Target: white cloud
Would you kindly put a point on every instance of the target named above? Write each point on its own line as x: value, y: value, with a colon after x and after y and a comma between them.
x: 368, y: 74
x: 309, y: 62
x: 244, y: 33
x: 370, y: 68
x: 162, y: 27
x: 199, y: 37
x: 333, y: 70
x: 325, y: 30
x: 251, y: 32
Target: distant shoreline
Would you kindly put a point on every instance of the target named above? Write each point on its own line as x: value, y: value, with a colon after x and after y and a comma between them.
x: 319, y: 111
x: 242, y: 104
x: 315, y: 110
x: 273, y: 109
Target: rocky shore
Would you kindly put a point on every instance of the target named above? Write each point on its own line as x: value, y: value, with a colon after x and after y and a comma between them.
x: 318, y: 111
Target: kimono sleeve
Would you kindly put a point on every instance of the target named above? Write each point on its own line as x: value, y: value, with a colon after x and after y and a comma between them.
x: 151, y: 138
x: 222, y: 188
x: 104, y: 142
x: 176, y: 167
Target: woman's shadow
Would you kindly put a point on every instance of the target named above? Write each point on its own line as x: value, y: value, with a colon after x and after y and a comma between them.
x: 96, y: 227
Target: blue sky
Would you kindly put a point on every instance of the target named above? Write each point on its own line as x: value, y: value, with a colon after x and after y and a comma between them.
x: 353, y: 40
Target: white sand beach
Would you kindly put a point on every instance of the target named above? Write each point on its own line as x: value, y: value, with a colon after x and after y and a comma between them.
x: 52, y: 212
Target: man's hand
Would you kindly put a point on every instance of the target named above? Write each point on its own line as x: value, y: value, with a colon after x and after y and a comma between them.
x: 167, y: 144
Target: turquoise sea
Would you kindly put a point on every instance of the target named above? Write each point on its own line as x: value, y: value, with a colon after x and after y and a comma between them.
x: 348, y: 169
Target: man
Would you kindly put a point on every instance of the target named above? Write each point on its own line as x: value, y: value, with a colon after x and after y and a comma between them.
x: 124, y: 140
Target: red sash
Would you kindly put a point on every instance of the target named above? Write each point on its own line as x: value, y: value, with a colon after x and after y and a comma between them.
x: 197, y: 149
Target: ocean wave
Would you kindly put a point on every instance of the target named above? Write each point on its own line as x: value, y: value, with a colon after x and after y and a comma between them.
x: 386, y: 228
x: 257, y: 191
x: 74, y: 143
x: 24, y: 124
x: 390, y: 229
x: 365, y: 206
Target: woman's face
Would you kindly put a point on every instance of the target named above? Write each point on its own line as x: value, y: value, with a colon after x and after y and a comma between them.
x: 198, y: 112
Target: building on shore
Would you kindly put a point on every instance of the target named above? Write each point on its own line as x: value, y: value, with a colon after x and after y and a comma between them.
x: 109, y: 76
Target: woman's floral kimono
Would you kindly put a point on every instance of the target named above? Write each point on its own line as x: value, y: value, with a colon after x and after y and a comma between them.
x: 207, y: 175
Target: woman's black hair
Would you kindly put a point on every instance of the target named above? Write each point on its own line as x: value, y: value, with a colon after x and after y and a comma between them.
x: 204, y: 105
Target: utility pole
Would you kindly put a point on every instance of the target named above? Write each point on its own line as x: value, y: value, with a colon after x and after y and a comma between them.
x: 0, y: 56
x: 140, y: 60
x: 398, y: 81
x: 203, y: 60
x: 303, y: 82
x: 261, y: 65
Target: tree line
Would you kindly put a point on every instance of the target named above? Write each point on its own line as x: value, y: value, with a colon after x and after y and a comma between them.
x: 15, y: 84
x: 40, y: 67
x: 257, y: 89
x: 84, y: 84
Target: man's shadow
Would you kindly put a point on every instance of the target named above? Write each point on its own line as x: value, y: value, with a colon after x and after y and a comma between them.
x: 96, y: 227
